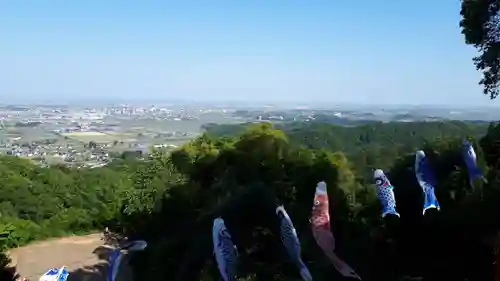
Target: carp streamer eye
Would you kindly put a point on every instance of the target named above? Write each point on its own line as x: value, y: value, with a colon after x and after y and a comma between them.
x: 378, y: 182
x: 316, y: 202
x: 224, y: 232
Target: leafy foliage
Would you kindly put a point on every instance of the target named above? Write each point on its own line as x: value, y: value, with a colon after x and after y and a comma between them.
x: 481, y: 27
x: 221, y: 173
x: 170, y: 200
x: 6, y: 272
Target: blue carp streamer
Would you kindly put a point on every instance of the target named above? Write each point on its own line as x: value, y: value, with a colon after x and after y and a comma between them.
x: 385, y: 193
x: 226, y: 253
x: 426, y: 180
x: 469, y: 156
x: 116, y: 256
x: 291, y: 242
x: 55, y: 274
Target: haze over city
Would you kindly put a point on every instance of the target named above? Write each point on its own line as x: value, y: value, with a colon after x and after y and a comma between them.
x: 332, y: 52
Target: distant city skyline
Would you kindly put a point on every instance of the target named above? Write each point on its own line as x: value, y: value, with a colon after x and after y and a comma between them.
x: 254, y: 104
x: 326, y: 52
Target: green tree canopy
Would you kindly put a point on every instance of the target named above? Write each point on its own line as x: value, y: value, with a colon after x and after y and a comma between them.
x: 170, y: 199
x: 481, y: 28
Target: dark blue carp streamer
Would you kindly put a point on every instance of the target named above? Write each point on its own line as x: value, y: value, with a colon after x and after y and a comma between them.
x: 116, y: 256
x: 226, y: 253
x: 385, y: 193
x: 291, y: 242
x: 426, y: 180
x: 469, y: 156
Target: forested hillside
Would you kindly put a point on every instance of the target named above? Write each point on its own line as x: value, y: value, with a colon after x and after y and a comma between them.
x: 367, y: 146
x: 170, y: 200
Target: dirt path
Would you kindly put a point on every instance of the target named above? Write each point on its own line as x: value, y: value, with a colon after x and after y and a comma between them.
x: 85, y: 257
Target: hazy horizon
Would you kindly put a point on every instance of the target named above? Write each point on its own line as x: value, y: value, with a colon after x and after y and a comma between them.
x: 254, y: 104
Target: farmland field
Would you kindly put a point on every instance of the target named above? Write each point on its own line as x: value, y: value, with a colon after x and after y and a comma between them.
x: 30, y: 134
x: 97, y: 137
x: 190, y: 126
x: 116, y: 133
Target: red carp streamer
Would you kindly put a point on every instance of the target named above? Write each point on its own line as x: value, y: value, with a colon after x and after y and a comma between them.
x: 320, y: 224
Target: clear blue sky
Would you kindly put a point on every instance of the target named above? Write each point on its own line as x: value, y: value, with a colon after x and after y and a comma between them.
x: 366, y: 51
